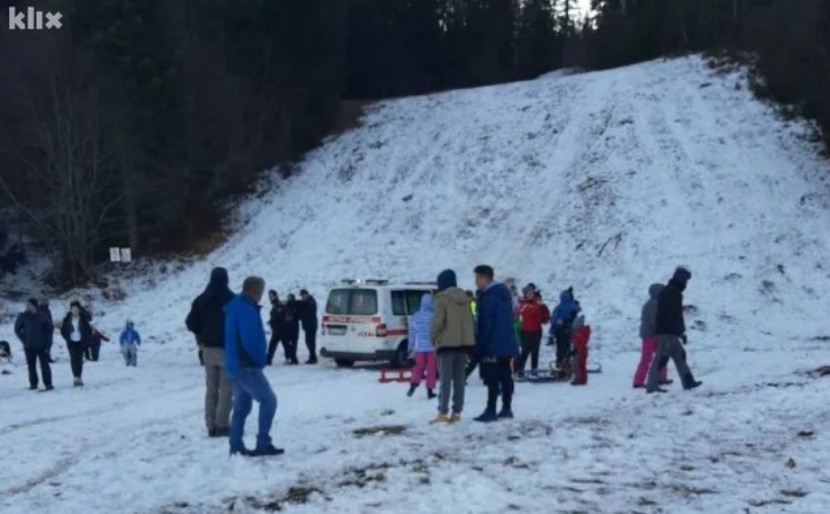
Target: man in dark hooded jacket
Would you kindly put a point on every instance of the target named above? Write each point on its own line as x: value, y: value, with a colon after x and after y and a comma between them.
x: 46, y: 311
x: 207, y: 322
x: 495, y: 342
x: 670, y: 331
x: 33, y: 328
x: 308, y: 318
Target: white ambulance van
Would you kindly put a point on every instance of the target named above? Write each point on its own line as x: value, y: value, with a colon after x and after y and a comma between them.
x: 368, y: 320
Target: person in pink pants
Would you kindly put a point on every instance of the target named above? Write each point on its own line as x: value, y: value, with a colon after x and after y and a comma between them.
x: 421, y: 346
x: 647, y: 328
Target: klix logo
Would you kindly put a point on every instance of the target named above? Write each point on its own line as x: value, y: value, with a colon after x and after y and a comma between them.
x: 33, y: 20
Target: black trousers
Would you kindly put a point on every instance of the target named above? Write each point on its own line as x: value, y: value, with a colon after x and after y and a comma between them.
x: 92, y: 351
x: 498, y: 375
x: 531, y: 341
x: 76, y: 358
x: 276, y: 338
x: 289, y: 344
x: 562, y: 333
x: 311, y: 344
x: 472, y: 364
x: 42, y: 355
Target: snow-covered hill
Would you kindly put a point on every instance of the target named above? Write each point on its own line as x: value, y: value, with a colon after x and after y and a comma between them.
x: 604, y: 181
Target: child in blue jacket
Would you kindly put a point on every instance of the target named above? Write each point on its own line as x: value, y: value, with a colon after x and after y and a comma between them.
x: 130, y: 341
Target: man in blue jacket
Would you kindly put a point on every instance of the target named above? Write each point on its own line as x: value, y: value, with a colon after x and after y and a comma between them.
x: 246, y: 352
x: 495, y: 342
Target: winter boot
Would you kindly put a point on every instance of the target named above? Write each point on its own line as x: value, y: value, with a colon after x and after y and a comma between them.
x: 441, y: 419
x: 412, y: 388
x: 658, y: 390
x: 267, y: 451
x: 78, y: 382
x: 506, y: 413
x: 689, y: 382
x: 455, y: 418
x: 431, y: 394
x: 488, y: 416
x: 244, y: 452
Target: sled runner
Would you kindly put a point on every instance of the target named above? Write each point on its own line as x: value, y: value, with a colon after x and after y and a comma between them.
x: 388, y: 375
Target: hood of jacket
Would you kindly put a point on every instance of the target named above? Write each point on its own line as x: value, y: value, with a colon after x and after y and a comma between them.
x: 567, y: 296
x: 654, y: 290
x: 427, y: 303
x: 456, y: 295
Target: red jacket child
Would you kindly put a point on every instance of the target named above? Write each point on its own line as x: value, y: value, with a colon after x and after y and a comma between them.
x: 534, y: 313
x: 581, y: 336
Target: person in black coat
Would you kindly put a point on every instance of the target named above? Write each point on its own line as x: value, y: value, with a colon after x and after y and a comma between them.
x: 77, y: 332
x: 308, y: 318
x: 44, y: 308
x: 292, y: 326
x: 33, y: 329
x: 670, y: 329
x: 207, y: 322
x: 279, y: 329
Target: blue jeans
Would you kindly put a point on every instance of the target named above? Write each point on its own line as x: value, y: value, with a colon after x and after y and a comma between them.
x: 250, y: 384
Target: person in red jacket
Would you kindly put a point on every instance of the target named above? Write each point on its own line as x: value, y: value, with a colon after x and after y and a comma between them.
x: 533, y: 314
x: 582, y: 334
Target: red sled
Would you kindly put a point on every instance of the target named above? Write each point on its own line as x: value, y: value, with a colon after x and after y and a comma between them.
x: 388, y: 375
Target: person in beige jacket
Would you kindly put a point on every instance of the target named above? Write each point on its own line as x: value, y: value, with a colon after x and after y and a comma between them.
x: 452, y: 331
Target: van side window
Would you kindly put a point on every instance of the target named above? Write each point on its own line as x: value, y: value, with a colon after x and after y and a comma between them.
x: 413, y: 301
x: 398, y: 303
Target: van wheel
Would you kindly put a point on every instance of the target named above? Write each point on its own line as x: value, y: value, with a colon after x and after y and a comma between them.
x: 343, y: 363
x: 401, y: 358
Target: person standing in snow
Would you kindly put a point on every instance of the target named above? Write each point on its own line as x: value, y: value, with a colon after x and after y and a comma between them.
x: 472, y: 358
x: 207, y: 322
x: 308, y: 318
x: 46, y: 311
x: 421, y: 345
x: 130, y: 341
x: 278, y: 328
x: 92, y: 351
x: 32, y: 327
x: 292, y: 326
x: 581, y: 337
x: 245, y: 359
x: 77, y: 332
x: 648, y: 328
x: 561, y: 324
x: 533, y: 314
x: 453, y: 334
x: 495, y: 343
x: 671, y: 334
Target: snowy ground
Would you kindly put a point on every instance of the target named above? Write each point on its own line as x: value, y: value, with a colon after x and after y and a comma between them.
x: 604, y: 181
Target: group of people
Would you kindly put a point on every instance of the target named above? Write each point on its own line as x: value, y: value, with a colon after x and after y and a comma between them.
x: 663, y: 334
x: 35, y: 329
x: 231, y: 339
x: 455, y: 331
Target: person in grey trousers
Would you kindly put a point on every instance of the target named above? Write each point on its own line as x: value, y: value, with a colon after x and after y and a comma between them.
x: 452, y: 331
x: 670, y: 329
x: 207, y: 322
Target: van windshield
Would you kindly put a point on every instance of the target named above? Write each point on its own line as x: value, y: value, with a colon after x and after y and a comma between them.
x: 357, y: 302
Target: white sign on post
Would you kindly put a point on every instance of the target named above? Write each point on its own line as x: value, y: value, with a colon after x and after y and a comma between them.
x: 126, y: 255
x: 115, y: 255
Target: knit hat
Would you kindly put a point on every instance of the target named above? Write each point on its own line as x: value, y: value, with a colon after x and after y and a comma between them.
x: 446, y: 280
x: 682, y: 275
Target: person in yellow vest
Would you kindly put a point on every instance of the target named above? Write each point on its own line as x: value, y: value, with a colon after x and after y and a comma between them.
x: 473, y: 305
